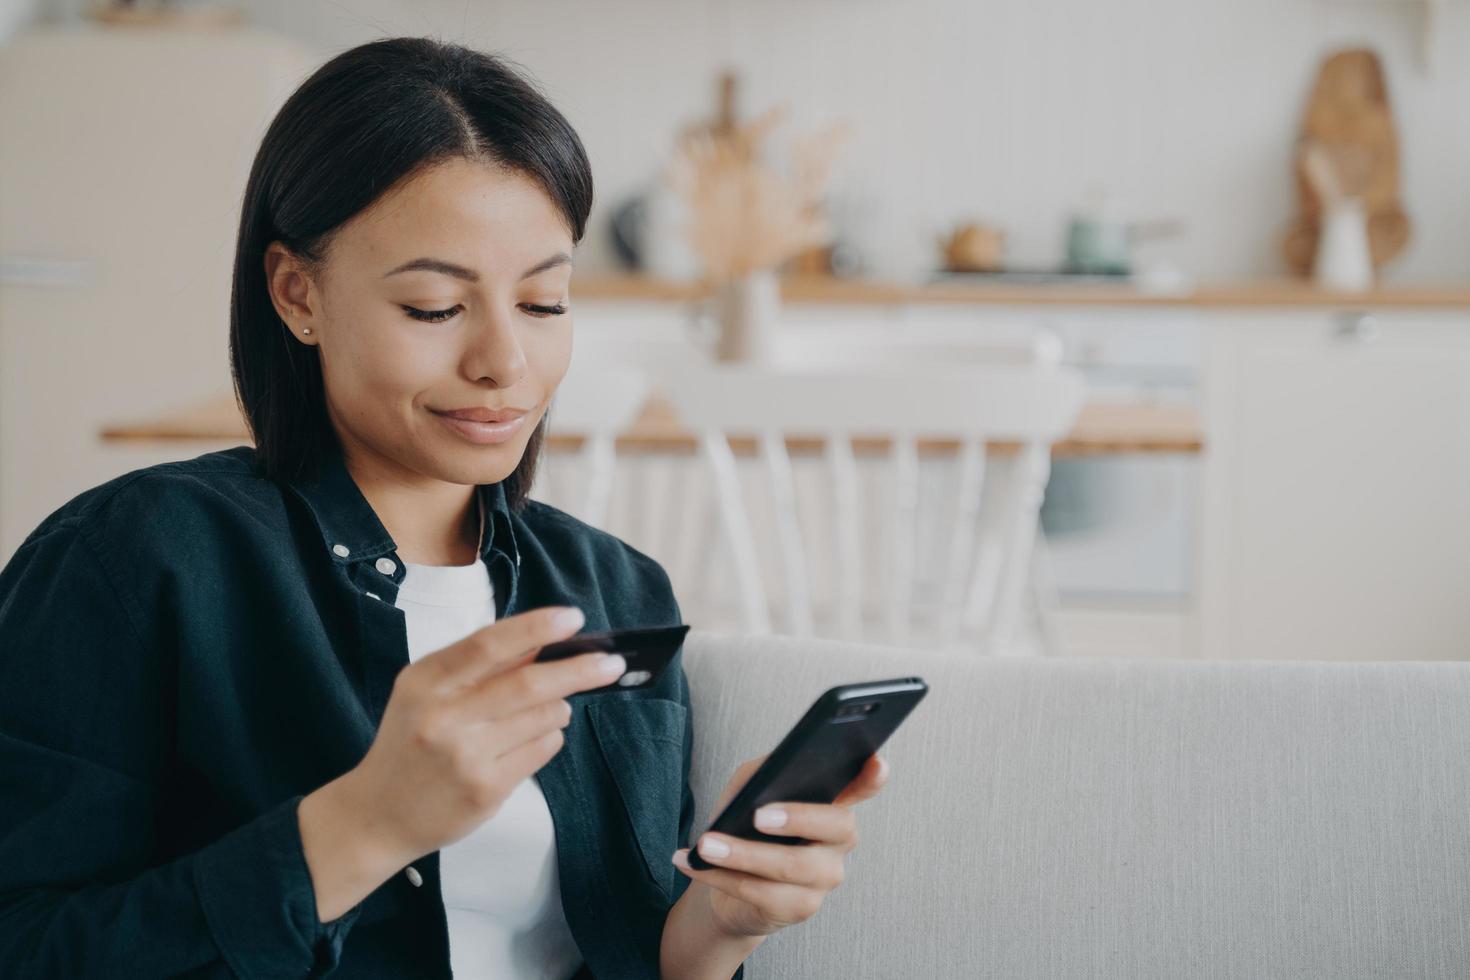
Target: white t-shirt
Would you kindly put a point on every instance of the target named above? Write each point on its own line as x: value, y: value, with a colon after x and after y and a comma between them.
x: 501, y: 893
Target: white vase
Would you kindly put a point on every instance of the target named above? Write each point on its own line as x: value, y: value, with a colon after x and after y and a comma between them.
x: 748, y: 309
x: 1344, y: 260
x: 666, y: 251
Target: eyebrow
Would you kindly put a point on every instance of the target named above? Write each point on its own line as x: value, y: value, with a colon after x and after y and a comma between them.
x: 470, y: 275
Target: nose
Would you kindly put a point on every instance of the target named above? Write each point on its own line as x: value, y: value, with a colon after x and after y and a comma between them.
x: 495, y: 352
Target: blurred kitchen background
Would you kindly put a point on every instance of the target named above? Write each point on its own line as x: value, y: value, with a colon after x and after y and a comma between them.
x: 1241, y: 228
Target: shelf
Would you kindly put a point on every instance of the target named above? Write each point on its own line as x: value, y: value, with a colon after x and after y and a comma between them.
x: 866, y: 292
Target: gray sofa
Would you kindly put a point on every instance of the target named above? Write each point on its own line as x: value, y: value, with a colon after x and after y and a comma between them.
x: 1125, y: 818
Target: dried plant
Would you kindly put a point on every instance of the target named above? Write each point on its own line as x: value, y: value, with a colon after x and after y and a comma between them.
x: 744, y: 215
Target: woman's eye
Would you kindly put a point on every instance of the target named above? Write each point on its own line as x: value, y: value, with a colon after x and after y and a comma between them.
x: 431, y: 316
x: 439, y: 316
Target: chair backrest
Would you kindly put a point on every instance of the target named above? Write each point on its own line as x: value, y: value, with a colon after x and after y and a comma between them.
x: 595, y: 400
x: 836, y: 345
x: 1140, y: 818
x: 987, y: 553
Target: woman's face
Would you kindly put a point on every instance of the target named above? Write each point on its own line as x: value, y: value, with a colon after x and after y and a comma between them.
x: 439, y: 297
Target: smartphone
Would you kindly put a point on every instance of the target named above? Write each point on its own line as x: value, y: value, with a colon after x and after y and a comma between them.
x: 648, y: 651
x: 820, y: 756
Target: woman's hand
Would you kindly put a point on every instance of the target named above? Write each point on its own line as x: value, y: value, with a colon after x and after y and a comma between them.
x: 759, y: 886
x: 463, y: 726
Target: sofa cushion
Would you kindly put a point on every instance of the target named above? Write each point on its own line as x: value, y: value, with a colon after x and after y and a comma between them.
x: 1124, y: 817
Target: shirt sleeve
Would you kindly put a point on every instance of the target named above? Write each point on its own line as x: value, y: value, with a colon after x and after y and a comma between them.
x: 85, y: 734
x: 686, y: 810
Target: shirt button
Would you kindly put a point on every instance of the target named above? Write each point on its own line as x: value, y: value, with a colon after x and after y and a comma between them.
x: 414, y: 878
x: 386, y: 566
x: 341, y: 550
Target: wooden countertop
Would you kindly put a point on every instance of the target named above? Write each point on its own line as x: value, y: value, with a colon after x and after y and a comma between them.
x: 1102, y: 429
x: 827, y: 289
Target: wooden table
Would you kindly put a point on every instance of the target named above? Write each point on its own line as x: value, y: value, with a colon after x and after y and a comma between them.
x: 1102, y: 429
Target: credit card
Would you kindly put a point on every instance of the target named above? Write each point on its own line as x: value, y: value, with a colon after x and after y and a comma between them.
x: 648, y: 651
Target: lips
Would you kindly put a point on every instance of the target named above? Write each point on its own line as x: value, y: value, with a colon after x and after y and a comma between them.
x: 483, y: 414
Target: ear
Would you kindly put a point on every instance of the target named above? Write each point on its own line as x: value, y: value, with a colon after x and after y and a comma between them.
x: 293, y: 293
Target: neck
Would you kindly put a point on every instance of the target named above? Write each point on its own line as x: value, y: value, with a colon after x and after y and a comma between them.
x: 431, y: 522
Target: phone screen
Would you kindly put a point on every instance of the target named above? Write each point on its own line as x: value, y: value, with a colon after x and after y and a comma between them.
x: 823, y: 753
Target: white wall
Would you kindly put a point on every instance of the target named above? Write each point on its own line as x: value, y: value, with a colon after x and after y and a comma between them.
x: 1003, y: 110
x: 1000, y: 110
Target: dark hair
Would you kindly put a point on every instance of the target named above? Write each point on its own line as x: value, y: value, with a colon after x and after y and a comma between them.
x: 361, y: 123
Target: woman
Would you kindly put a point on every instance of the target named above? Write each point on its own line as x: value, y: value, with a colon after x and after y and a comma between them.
x: 272, y: 711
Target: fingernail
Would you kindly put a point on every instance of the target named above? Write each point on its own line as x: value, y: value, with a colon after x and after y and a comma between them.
x: 768, y: 817
x: 612, y: 664
x: 882, y: 768
x: 681, y: 859
x: 568, y: 618
x: 713, y: 847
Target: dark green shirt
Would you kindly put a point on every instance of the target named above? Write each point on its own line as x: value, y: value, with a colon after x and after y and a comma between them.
x: 188, y: 649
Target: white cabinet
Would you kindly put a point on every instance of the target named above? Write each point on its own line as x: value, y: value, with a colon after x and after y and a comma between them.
x: 120, y: 188
x: 1336, y: 512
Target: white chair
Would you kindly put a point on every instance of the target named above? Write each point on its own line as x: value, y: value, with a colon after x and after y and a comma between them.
x: 597, y: 401
x: 986, y: 559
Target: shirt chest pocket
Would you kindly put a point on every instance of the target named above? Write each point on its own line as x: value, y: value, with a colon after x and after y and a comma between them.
x: 642, y: 743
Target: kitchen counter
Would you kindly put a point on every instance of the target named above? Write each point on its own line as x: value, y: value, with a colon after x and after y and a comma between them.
x: 827, y: 289
x: 1102, y: 429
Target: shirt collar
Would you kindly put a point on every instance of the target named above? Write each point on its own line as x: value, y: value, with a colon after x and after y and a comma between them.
x: 350, y: 528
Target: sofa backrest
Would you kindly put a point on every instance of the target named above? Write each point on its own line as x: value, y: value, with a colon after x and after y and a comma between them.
x: 1124, y: 818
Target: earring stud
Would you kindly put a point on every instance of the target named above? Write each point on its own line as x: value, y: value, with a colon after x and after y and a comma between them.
x: 306, y: 330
